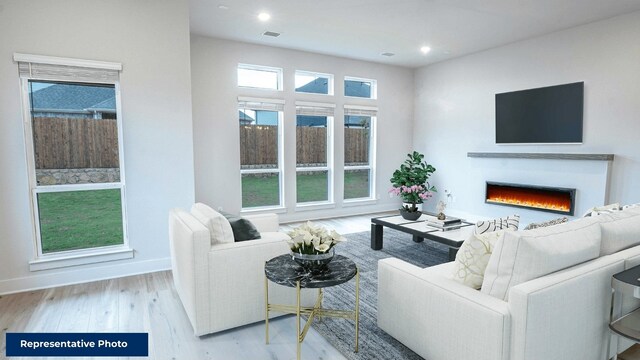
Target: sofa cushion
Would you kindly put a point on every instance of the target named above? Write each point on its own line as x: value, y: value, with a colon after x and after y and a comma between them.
x: 242, y: 228
x: 473, y: 257
x: 620, y: 231
x: 525, y: 255
x: 219, y: 227
x: 508, y: 222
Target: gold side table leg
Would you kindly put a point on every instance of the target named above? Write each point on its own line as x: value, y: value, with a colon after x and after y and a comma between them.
x: 298, y: 340
x: 266, y: 308
x: 357, y: 305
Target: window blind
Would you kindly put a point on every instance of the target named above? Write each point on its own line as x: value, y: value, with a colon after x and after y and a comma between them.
x: 314, y: 109
x: 63, y: 69
x: 260, y: 104
x: 358, y: 110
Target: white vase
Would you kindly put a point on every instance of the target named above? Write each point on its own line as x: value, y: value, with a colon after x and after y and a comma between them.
x: 419, y: 206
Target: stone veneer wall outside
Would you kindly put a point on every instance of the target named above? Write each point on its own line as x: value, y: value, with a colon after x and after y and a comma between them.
x: 77, y: 176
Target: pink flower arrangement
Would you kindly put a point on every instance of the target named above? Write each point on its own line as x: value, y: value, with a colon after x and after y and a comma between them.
x: 412, y: 194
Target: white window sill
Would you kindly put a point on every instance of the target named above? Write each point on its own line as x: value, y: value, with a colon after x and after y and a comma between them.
x: 80, y: 258
x: 315, y: 206
x: 359, y: 202
x: 273, y: 210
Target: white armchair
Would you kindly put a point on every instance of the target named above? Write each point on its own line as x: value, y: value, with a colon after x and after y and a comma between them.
x: 221, y: 286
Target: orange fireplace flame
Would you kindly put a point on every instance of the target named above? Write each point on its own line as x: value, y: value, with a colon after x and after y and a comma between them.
x: 533, y: 198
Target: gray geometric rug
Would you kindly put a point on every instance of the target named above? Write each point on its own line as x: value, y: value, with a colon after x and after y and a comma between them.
x: 373, y: 342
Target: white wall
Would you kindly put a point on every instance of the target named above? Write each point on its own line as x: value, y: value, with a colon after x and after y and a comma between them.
x: 455, y: 113
x: 216, y: 132
x: 151, y: 39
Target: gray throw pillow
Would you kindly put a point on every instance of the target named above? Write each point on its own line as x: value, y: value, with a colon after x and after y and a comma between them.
x: 547, y: 223
x: 242, y: 228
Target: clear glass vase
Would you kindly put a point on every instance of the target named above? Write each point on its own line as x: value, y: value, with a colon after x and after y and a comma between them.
x: 314, y: 262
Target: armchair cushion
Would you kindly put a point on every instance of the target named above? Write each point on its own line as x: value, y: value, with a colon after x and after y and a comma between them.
x: 219, y: 227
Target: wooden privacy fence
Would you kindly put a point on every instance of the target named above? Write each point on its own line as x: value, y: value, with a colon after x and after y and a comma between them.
x: 259, y: 145
x: 66, y: 143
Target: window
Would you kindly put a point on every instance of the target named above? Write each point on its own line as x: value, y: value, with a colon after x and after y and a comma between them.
x: 315, y: 83
x: 363, y: 88
x: 259, y: 77
x: 260, y: 123
x: 359, y: 151
x: 74, y: 147
x: 314, y: 155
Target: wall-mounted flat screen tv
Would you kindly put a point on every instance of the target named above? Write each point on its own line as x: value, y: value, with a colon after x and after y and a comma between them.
x: 544, y: 115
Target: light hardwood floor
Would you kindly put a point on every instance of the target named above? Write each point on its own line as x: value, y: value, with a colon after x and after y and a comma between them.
x: 343, y: 225
x: 149, y: 303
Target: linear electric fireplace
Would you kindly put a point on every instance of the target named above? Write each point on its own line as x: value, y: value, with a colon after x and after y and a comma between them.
x: 551, y: 199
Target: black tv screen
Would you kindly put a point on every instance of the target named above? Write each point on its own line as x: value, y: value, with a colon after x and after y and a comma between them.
x: 550, y: 114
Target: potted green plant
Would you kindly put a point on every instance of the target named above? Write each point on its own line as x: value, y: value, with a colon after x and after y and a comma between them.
x: 410, y: 183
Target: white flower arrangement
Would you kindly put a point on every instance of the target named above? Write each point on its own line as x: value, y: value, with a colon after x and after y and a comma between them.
x: 313, y: 239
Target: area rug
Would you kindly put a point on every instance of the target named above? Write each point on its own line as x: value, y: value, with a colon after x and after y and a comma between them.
x: 374, y: 343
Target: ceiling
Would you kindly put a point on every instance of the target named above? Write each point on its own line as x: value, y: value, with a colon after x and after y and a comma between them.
x: 364, y: 29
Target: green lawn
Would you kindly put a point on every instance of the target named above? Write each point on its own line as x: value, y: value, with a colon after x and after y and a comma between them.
x: 80, y: 219
x: 261, y: 190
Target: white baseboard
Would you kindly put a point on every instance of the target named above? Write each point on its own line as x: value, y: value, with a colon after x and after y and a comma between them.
x: 39, y: 281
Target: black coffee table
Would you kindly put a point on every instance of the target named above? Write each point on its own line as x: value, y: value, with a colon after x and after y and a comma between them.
x: 283, y: 270
x: 420, y: 231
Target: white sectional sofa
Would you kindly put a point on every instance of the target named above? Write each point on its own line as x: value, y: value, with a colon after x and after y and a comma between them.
x: 221, y: 284
x: 563, y: 315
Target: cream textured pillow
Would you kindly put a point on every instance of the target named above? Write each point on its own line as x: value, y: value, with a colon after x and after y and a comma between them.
x: 218, y: 225
x: 510, y: 222
x: 525, y: 255
x: 473, y: 257
x: 599, y: 210
x: 622, y: 232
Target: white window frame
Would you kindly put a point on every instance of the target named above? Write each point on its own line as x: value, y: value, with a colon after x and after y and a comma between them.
x: 374, y: 87
x: 330, y: 85
x: 280, y: 170
x: 326, y: 109
x: 276, y: 70
x: 372, y: 113
x: 92, y: 74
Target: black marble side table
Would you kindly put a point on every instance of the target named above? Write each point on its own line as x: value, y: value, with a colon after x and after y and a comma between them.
x: 283, y: 270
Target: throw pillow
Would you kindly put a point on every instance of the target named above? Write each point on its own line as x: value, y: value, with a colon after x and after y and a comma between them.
x: 243, y: 229
x: 219, y: 228
x: 547, y: 223
x: 598, y: 210
x: 473, y: 256
x: 620, y: 231
x: 509, y: 222
x: 522, y: 256
x: 631, y: 206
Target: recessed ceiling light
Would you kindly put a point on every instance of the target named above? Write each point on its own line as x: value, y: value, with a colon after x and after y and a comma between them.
x: 387, y: 54
x: 264, y: 16
x: 425, y: 49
